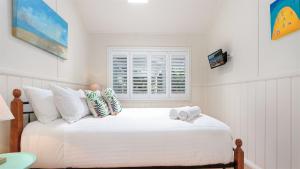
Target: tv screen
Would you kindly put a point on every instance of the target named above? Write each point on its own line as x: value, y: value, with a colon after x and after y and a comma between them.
x: 217, y: 59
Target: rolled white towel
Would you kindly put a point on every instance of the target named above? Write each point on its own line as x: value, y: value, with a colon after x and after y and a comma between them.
x: 194, y: 112
x: 183, y: 115
x: 174, y: 113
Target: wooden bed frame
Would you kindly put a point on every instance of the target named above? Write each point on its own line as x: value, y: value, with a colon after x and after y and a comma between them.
x: 17, y: 128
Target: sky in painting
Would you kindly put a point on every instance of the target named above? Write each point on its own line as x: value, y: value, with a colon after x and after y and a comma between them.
x: 37, y: 17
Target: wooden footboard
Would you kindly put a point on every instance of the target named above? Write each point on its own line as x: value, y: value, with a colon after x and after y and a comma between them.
x: 17, y: 128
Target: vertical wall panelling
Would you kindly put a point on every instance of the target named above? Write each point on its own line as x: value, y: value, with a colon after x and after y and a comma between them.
x: 284, y: 124
x: 296, y: 123
x: 26, y: 82
x: 251, y: 121
x: 222, y: 109
x: 271, y: 125
x: 230, y: 97
x: 237, y: 112
x: 46, y: 84
x: 226, y: 102
x: 37, y: 83
x: 209, y: 100
x: 265, y: 113
x: 4, y: 125
x: 244, y: 117
x: 260, y: 122
x: 3, y: 86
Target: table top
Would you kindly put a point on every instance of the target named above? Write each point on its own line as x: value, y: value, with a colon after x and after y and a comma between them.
x: 17, y: 160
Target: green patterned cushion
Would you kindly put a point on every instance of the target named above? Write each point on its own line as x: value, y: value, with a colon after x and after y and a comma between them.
x: 111, y: 99
x: 96, y: 103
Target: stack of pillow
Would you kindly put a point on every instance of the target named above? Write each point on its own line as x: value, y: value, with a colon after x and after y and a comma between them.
x: 103, y: 104
x: 71, y: 105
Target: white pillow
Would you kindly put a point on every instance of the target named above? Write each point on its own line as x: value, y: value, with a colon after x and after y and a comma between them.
x: 42, y: 103
x: 80, y: 93
x: 68, y: 104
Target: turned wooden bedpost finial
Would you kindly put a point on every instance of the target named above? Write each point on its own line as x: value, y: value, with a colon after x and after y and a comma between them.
x: 17, y: 93
x: 238, y: 143
x: 239, y: 155
x: 16, y: 125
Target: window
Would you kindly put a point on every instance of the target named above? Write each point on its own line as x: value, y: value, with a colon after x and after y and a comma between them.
x: 149, y: 73
x: 120, y: 73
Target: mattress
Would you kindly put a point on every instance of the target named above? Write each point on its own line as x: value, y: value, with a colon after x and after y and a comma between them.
x: 137, y: 137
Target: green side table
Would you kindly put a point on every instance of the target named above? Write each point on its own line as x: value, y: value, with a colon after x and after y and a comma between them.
x: 17, y: 160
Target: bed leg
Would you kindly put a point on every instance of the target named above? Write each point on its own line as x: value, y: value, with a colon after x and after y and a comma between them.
x: 239, y: 155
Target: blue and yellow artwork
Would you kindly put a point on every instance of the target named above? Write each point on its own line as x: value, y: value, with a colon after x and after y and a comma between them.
x: 285, y: 17
x: 36, y: 23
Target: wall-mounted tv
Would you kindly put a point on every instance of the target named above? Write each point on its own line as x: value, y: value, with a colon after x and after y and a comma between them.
x: 218, y: 58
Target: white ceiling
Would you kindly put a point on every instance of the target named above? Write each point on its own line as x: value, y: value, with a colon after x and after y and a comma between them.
x: 158, y: 16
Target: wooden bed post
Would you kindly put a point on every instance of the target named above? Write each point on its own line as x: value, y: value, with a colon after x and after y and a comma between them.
x: 239, y: 155
x: 16, y: 126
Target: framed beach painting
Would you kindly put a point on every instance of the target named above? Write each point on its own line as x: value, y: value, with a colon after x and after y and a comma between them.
x: 285, y: 18
x: 36, y: 23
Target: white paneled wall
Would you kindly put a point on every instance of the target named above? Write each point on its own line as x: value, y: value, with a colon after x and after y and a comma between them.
x: 295, y: 123
x: 284, y: 123
x: 271, y: 124
x: 10, y: 82
x: 266, y: 115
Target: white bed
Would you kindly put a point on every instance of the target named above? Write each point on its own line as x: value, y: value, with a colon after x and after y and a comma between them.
x: 134, y: 138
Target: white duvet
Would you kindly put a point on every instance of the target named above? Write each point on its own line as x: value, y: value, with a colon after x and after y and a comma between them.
x: 135, y: 137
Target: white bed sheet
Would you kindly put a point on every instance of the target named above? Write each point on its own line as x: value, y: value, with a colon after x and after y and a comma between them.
x: 135, y: 137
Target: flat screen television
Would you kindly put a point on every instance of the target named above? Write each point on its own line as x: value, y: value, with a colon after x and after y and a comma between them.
x: 218, y: 58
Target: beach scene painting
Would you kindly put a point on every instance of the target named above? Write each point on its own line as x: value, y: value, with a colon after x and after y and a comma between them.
x: 36, y: 23
x: 285, y: 18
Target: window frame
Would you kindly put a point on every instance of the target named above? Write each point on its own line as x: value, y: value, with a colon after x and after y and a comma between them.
x: 168, y: 51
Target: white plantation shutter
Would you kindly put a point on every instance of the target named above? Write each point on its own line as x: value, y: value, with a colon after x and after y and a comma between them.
x: 120, y: 73
x: 139, y: 74
x: 158, y: 74
x: 150, y: 73
x: 178, y: 74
